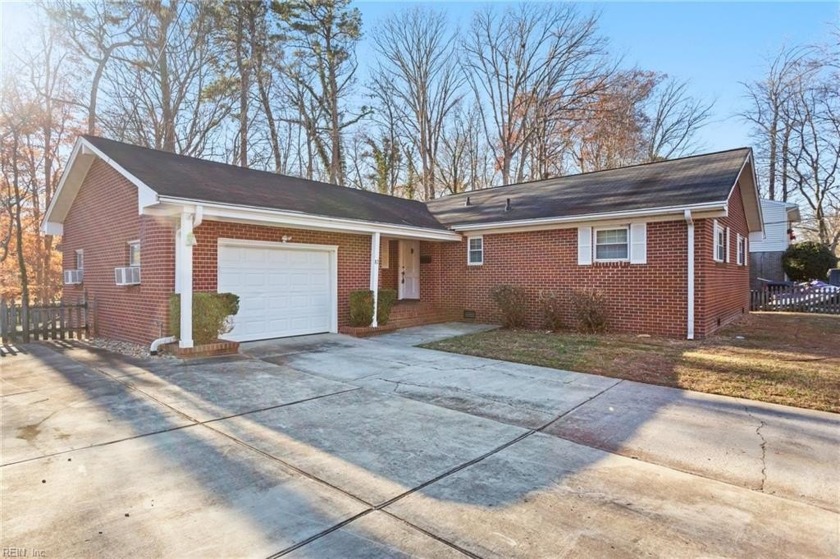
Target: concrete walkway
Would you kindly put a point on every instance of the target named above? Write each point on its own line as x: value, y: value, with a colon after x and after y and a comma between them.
x: 335, y: 446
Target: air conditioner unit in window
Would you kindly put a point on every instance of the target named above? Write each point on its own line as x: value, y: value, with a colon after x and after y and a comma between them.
x: 127, y: 276
x: 73, y: 277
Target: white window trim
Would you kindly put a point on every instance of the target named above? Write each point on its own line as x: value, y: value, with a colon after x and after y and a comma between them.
x: 739, y: 248
x: 469, y: 250
x: 716, y: 230
x: 130, y: 264
x: 595, y: 243
x: 78, y: 253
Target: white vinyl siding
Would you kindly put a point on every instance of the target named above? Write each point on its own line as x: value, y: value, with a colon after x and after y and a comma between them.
x: 612, y: 245
x: 775, y: 237
x: 475, y: 251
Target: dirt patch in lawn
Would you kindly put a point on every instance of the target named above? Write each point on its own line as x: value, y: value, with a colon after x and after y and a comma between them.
x: 784, y: 358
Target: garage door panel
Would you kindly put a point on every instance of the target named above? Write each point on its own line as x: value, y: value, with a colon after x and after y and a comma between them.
x: 283, y: 291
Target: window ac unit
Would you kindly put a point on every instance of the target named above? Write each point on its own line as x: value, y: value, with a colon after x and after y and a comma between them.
x: 127, y: 276
x: 73, y: 277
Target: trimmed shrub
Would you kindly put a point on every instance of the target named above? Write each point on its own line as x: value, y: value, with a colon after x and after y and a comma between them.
x: 551, y: 308
x: 590, y: 308
x: 361, y: 306
x: 808, y: 261
x: 211, y: 315
x: 387, y: 299
x: 512, y: 303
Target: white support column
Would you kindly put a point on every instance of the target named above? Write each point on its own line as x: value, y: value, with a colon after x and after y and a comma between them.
x: 690, y: 273
x: 184, y: 271
x: 375, y: 242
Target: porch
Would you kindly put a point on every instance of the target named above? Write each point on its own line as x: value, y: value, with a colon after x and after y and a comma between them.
x: 405, y: 314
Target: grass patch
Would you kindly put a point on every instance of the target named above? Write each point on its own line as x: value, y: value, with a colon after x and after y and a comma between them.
x: 783, y: 358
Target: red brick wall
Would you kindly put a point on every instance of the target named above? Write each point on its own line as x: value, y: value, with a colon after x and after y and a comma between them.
x: 722, y: 288
x: 103, y: 218
x: 353, y: 255
x: 388, y: 276
x: 644, y: 298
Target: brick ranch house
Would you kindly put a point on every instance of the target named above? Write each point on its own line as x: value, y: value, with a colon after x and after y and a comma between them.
x: 666, y: 242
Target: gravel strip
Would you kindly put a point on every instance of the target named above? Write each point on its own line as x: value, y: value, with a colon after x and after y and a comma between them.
x: 125, y: 348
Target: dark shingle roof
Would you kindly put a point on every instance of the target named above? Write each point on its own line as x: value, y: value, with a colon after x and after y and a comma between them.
x: 677, y: 182
x: 189, y: 178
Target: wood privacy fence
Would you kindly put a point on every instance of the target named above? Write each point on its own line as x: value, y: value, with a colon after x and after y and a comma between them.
x: 54, y: 321
x: 825, y: 300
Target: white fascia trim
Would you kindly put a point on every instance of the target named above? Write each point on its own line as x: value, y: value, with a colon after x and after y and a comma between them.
x: 608, y: 216
x: 146, y: 196
x: 308, y: 221
x: 748, y: 159
x: 47, y: 223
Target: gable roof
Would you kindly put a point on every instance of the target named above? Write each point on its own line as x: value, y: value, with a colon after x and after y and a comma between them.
x: 193, y: 179
x: 675, y: 183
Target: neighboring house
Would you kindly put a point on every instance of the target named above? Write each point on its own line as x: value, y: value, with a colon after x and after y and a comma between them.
x: 767, y: 246
x: 666, y: 243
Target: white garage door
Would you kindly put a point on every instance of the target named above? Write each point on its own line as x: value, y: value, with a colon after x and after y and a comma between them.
x: 283, y: 290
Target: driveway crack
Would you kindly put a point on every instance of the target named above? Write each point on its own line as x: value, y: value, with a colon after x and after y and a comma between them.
x: 763, y: 446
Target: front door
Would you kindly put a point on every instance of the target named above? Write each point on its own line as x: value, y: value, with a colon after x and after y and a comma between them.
x: 409, y: 270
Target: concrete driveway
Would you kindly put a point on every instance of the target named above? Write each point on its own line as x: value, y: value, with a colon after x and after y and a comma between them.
x: 329, y: 446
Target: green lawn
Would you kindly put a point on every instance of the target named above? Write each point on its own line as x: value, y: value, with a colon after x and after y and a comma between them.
x: 784, y: 358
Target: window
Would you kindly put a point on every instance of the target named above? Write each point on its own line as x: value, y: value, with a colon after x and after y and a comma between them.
x: 475, y: 251
x: 80, y: 259
x: 720, y: 243
x: 134, y: 254
x: 611, y: 244
x: 740, y: 249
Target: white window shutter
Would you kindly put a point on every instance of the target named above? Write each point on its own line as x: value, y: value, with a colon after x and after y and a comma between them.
x: 584, y: 246
x: 714, y: 240
x: 746, y: 251
x: 638, y: 243
x: 727, y: 244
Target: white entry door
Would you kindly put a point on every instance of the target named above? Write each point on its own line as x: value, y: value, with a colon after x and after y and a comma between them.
x: 284, y: 290
x: 409, y: 279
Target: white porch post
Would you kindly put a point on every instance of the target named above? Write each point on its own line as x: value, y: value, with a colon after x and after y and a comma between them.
x: 375, y: 241
x: 184, y: 271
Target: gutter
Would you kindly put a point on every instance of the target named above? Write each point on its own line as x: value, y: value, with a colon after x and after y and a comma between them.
x: 676, y: 210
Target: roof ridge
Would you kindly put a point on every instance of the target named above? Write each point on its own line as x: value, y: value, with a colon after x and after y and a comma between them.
x: 271, y: 173
x: 499, y: 186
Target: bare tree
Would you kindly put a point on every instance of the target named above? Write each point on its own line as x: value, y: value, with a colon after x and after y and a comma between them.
x: 812, y: 158
x: 97, y: 30
x: 418, y: 68
x: 674, y: 120
x: 768, y: 99
x: 323, y: 34
x: 531, y: 63
x: 159, y: 91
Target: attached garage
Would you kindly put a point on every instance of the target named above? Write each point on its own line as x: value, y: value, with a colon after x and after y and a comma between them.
x: 284, y: 289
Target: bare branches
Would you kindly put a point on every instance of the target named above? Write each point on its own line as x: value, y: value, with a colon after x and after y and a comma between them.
x: 674, y: 121
x: 419, y: 74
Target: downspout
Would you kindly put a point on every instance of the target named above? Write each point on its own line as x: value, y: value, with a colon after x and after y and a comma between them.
x: 153, y: 349
x: 375, y: 241
x: 690, y: 275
